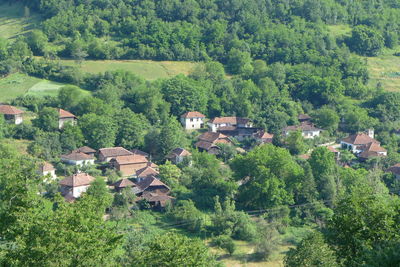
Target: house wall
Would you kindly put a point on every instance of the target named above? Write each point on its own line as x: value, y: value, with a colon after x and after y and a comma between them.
x: 77, y: 191
x: 310, y: 134
x: 62, y: 121
x: 350, y: 147
x: 52, y: 174
x: 192, y: 123
x: 78, y: 162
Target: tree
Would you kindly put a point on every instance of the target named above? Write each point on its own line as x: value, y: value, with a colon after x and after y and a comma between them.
x: 37, y: 42
x: 69, y: 96
x: 326, y: 118
x: 313, y: 251
x: 71, y: 137
x: 225, y: 242
x: 132, y: 129
x: 186, y: 211
x: 239, y: 62
x: 170, y: 174
x: 172, y: 249
x: 295, y: 143
x: 366, y: 41
x: 47, y: 119
x: 171, y: 136
x: 99, y: 131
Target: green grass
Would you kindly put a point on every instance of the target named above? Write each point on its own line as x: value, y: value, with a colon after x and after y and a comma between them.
x: 386, y: 70
x: 148, y: 69
x: 18, y: 84
x: 339, y: 30
x: 13, y: 21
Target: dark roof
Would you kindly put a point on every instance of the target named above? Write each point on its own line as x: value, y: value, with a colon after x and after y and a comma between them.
x: 65, y: 114
x: 230, y: 120
x: 139, y: 152
x: 77, y: 156
x: 124, y: 183
x: 114, y: 152
x: 204, y: 145
x: 146, y: 171
x: 303, y: 117
x: 9, y: 110
x: 263, y: 135
x: 302, y: 127
x: 394, y: 169
x: 78, y: 179
x: 85, y: 149
x: 193, y: 114
x: 150, y: 181
x: 211, y: 136
x: 178, y: 152
x: 359, y: 139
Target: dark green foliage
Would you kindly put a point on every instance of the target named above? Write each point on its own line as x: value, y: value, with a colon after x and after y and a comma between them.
x: 366, y: 41
x: 47, y: 119
x: 186, y: 213
x: 225, y: 242
x: 99, y: 131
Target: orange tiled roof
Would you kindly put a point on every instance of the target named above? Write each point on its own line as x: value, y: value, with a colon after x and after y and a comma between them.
x: 9, y: 110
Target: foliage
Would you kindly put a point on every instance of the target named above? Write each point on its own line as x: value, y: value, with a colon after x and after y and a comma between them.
x: 225, y: 242
x: 186, y: 212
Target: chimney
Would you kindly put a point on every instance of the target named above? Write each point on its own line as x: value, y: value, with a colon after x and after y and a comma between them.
x: 371, y: 133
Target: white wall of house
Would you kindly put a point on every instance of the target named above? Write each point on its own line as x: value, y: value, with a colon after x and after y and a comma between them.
x: 78, y: 190
x: 78, y: 162
x: 51, y: 174
x: 18, y: 119
x: 310, y: 134
x: 351, y: 147
x: 192, y: 123
x: 61, y: 122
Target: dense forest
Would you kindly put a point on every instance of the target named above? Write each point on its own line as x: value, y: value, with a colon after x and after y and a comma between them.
x: 266, y: 60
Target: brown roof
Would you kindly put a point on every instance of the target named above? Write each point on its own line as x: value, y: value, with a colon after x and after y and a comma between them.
x: 264, y: 135
x: 130, y: 159
x: 302, y: 127
x: 230, y: 120
x: 303, y: 117
x: 212, y: 137
x: 85, y: 149
x: 65, y: 114
x: 394, y: 169
x: 359, y: 139
x: 124, y: 183
x: 146, y: 171
x: 78, y: 179
x: 178, y: 152
x: 304, y: 156
x: 150, y: 181
x: 77, y: 156
x: 9, y: 110
x: 332, y: 149
x: 204, y: 145
x: 193, y: 114
x: 139, y: 152
x: 114, y: 152
x: 374, y: 147
x: 155, y: 197
x: 46, y: 167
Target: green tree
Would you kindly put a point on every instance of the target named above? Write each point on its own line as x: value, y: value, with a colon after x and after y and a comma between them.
x: 295, y: 143
x: 366, y: 41
x: 132, y: 129
x: 71, y: 137
x: 239, y: 62
x: 47, y: 119
x: 313, y: 251
x: 37, y: 42
x: 326, y: 118
x: 170, y: 174
x: 186, y: 211
x: 171, y: 136
x: 69, y: 96
x: 99, y: 131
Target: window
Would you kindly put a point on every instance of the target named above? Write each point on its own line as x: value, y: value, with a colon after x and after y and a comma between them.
x: 191, y: 119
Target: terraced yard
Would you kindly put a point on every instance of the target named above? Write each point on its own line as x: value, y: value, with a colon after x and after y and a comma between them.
x: 15, y: 20
x: 385, y: 69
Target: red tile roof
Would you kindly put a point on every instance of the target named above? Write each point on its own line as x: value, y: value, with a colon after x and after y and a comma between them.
x: 150, y: 181
x: 114, y: 152
x: 359, y: 139
x: 212, y: 137
x: 9, y: 110
x: 79, y: 179
x: 46, y: 167
x: 77, y: 156
x: 146, y: 171
x: 65, y: 114
x: 193, y: 114
x: 394, y: 169
x: 130, y: 159
x: 124, y: 183
x: 230, y: 120
x: 332, y: 149
x: 139, y: 152
x: 178, y: 152
x: 85, y: 149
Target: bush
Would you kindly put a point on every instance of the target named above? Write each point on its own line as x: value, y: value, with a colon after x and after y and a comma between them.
x: 225, y: 242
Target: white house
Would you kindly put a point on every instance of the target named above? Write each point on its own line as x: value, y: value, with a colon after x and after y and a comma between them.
x: 78, y: 159
x: 47, y: 169
x: 64, y: 117
x: 237, y: 122
x: 364, y: 145
x: 193, y: 120
x: 11, y: 114
x: 308, y: 130
x: 76, y: 184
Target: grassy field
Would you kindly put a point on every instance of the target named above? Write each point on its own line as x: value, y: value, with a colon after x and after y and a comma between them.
x: 19, y: 84
x: 20, y: 145
x: 13, y: 21
x: 150, y: 70
x: 339, y: 30
x: 386, y: 70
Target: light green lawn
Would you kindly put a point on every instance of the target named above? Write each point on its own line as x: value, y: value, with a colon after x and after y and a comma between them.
x: 18, y: 84
x: 339, y: 30
x: 149, y: 70
x: 386, y: 70
x: 13, y: 21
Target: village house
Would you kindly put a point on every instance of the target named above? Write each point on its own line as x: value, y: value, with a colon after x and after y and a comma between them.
x: 73, y: 186
x: 193, y: 120
x: 128, y: 165
x: 395, y: 169
x: 77, y: 159
x: 334, y: 151
x: 178, y: 155
x: 65, y: 117
x: 364, y: 145
x: 236, y: 122
x: 47, y: 169
x: 209, y: 141
x: 123, y: 183
x: 141, y: 153
x: 106, y: 154
x: 149, y: 170
x: 308, y: 130
x: 304, y: 118
x: 86, y: 150
x: 262, y: 137
x: 155, y: 192
x: 11, y: 114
